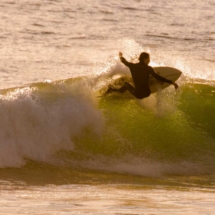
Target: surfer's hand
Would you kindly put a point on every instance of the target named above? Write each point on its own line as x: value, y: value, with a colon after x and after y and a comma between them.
x: 120, y: 54
x: 175, y: 85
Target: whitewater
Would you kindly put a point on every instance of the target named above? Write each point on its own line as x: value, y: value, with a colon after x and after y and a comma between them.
x: 64, y: 149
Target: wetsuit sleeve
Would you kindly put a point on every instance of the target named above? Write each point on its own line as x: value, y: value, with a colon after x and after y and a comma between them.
x: 124, y: 61
x: 158, y: 77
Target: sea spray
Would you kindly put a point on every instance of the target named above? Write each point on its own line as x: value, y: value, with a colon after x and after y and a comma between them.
x: 38, y: 121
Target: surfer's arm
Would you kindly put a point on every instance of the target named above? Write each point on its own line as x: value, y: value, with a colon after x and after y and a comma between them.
x: 160, y: 78
x: 123, y: 60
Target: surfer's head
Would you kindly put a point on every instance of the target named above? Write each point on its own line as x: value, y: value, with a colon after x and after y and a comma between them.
x: 144, y: 58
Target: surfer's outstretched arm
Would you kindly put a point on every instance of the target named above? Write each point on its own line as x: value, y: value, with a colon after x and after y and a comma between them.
x: 160, y: 78
x: 123, y: 60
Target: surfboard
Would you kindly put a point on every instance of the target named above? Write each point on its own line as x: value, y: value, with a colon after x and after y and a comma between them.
x: 169, y: 73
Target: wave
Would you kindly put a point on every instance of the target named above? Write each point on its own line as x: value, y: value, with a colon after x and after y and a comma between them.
x: 64, y: 123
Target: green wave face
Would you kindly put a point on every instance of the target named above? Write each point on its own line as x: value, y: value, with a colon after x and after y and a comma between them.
x: 64, y: 123
x: 170, y: 127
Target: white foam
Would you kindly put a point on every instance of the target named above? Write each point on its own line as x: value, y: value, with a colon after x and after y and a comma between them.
x: 35, y: 124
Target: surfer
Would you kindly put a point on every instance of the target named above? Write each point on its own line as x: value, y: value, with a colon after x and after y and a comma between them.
x: 140, y: 74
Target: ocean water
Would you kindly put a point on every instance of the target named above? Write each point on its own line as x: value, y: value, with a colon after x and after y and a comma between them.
x: 63, y: 150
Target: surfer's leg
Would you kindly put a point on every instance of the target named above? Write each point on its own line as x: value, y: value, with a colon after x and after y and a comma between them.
x: 137, y: 94
x: 126, y: 86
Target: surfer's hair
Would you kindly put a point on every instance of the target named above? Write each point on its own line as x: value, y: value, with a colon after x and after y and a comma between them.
x: 143, y: 56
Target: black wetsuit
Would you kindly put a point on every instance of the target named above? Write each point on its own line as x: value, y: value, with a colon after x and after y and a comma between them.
x: 140, y: 74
